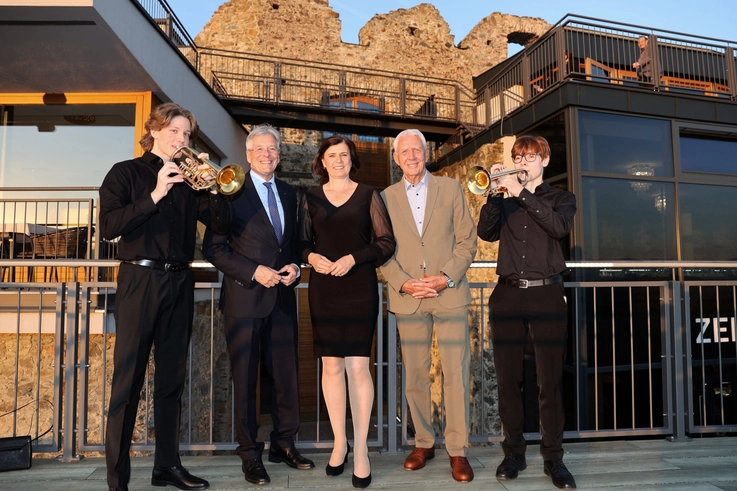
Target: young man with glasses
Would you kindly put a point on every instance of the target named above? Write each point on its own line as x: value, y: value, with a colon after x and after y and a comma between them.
x: 529, y: 303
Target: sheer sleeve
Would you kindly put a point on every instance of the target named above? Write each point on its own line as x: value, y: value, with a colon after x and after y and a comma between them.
x: 306, y: 235
x: 382, y: 244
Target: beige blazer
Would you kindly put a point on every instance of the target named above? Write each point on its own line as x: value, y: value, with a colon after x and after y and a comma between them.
x: 447, y: 244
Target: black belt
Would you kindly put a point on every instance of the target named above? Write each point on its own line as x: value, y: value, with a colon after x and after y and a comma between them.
x: 170, y: 267
x: 530, y: 283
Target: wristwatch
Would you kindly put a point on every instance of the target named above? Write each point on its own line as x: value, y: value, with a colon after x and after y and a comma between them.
x: 451, y: 283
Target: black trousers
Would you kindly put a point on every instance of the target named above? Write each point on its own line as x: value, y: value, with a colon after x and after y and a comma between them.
x: 275, y: 339
x: 542, y: 313
x: 152, y: 308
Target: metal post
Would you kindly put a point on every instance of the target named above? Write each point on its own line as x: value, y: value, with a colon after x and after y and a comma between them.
x: 277, y: 82
x: 458, y: 105
x: 730, y: 58
x: 58, y: 362
x: 343, y: 91
x: 380, y: 368
x: 655, y: 60
x: 526, y: 80
x: 70, y: 331
x: 391, y: 386
x: 678, y: 373
x: 402, y: 97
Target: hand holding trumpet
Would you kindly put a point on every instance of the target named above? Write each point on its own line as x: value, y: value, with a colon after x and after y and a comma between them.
x: 506, y: 182
x: 498, y: 181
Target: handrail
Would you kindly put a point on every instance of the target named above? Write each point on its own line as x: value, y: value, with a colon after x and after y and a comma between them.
x: 352, y: 68
x: 474, y: 265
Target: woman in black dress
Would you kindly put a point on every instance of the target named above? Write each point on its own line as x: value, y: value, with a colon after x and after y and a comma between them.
x: 345, y: 234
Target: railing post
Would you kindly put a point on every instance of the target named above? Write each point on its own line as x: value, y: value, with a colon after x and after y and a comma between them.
x: 679, y: 376
x: 70, y: 331
x: 391, y: 386
x: 655, y: 60
x: 458, y: 105
x: 729, y: 58
x: 343, y: 91
x: 402, y: 97
x: 526, y: 79
x: 277, y: 82
x: 487, y: 104
x: 560, y: 53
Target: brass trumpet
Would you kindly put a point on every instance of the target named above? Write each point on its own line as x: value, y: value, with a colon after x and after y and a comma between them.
x: 228, y: 179
x: 479, y: 180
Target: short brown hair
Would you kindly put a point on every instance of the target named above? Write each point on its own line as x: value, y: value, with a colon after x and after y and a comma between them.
x: 531, y: 144
x: 161, y: 117
x: 317, y: 166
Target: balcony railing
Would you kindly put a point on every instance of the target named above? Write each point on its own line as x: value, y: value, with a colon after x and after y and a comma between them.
x: 645, y: 358
x: 599, y: 51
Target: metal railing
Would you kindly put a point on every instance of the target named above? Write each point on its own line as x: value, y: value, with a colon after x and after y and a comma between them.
x: 645, y: 358
x: 283, y: 81
x: 600, y: 51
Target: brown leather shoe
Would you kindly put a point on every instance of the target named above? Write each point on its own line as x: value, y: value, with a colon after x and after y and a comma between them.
x: 461, y: 469
x: 418, y: 457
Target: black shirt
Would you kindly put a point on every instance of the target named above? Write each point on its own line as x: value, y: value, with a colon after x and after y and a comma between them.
x: 529, y: 228
x: 163, y: 231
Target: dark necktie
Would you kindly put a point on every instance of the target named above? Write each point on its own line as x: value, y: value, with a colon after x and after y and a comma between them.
x: 274, y: 211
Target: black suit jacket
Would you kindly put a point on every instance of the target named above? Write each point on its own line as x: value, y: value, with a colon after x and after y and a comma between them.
x: 252, y: 242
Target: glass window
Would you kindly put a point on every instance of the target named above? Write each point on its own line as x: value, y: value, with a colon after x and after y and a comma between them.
x: 618, y: 144
x: 64, y: 145
x: 707, y: 217
x: 627, y: 220
x: 713, y: 155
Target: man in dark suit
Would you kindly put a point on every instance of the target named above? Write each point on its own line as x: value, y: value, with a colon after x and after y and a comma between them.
x: 259, y: 260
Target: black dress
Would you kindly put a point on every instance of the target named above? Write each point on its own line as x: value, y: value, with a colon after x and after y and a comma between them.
x: 344, y: 308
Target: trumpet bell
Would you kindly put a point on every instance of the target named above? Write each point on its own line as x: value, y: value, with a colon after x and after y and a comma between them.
x: 478, y: 180
x: 230, y: 179
x: 227, y: 180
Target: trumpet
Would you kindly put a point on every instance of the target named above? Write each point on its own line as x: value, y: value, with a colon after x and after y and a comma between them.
x: 480, y: 180
x: 228, y: 179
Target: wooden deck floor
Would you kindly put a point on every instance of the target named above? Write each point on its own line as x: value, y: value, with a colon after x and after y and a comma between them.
x: 696, y: 465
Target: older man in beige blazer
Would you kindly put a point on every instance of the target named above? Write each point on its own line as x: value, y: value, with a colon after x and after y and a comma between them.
x: 436, y: 242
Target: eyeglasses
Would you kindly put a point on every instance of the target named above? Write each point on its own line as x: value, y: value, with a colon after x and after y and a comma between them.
x: 530, y: 157
x: 260, y: 150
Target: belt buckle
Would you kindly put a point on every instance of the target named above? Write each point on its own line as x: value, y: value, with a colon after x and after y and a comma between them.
x: 169, y: 267
x: 522, y: 283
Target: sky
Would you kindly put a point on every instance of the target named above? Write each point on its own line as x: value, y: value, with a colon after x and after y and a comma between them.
x: 707, y: 18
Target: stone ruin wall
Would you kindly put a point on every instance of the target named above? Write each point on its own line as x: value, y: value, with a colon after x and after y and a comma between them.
x: 410, y: 41
x: 414, y: 41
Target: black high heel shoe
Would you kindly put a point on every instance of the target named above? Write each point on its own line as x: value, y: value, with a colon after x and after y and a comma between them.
x: 362, y: 482
x: 338, y: 469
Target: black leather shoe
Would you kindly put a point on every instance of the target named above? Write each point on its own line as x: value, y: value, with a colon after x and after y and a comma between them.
x: 338, y: 469
x: 557, y: 470
x: 291, y: 457
x: 178, y: 477
x: 119, y: 488
x: 511, y: 466
x: 255, y: 471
